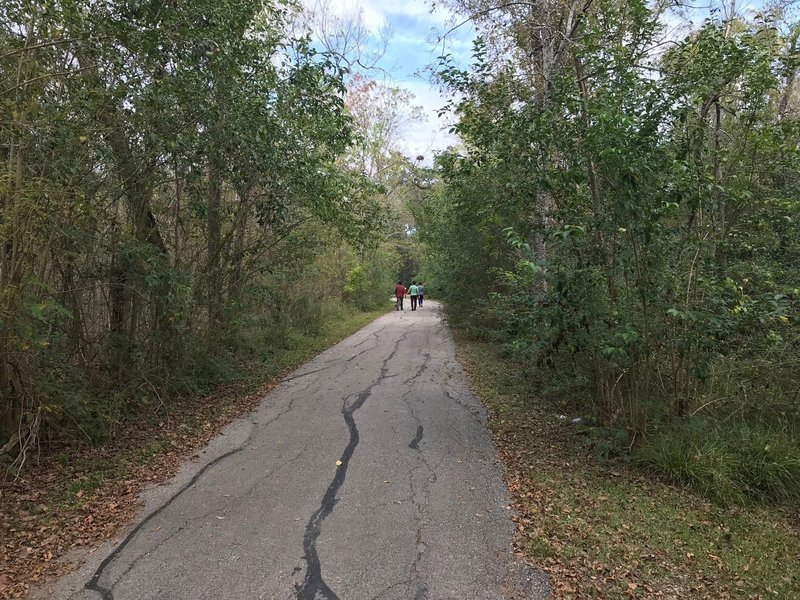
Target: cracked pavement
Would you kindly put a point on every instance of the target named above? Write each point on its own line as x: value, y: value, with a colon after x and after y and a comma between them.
x: 417, y: 509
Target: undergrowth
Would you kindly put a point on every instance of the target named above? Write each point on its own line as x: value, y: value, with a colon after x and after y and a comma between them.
x: 731, y: 464
x: 602, y: 528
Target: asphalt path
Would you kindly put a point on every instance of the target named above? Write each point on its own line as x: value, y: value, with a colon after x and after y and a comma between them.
x: 368, y: 474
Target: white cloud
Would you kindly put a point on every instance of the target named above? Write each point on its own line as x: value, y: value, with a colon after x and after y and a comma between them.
x: 411, y: 49
x: 374, y: 18
x: 378, y: 13
x: 426, y: 137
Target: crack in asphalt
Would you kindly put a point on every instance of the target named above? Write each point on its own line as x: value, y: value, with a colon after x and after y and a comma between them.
x: 105, y: 593
x: 388, y: 589
x: 94, y: 583
x: 230, y: 502
x: 301, y: 375
x: 374, y: 335
x: 141, y: 556
x: 336, y: 361
x: 421, y: 592
x: 421, y: 547
x: 473, y: 411
x: 414, y: 445
x: 422, y: 368
x: 314, y: 585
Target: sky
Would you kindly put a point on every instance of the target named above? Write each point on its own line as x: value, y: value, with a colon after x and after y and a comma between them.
x: 414, y: 45
x: 415, y: 42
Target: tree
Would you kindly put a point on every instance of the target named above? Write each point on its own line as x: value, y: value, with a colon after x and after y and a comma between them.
x: 159, y: 162
x: 648, y: 191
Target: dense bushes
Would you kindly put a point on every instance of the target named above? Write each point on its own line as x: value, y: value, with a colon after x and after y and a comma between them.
x: 636, y: 236
x: 172, y: 178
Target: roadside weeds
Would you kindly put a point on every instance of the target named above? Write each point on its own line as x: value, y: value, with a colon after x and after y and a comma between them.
x: 78, y: 497
x: 602, y: 529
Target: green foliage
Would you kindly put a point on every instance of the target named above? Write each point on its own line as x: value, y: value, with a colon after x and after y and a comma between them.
x: 170, y: 175
x: 358, y: 289
x: 634, y: 232
x: 729, y: 464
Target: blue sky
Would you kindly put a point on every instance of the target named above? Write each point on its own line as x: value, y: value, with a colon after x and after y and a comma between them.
x: 412, y: 49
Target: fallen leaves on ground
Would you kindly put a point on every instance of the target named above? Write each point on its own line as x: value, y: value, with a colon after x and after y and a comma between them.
x: 602, y: 530
x: 42, y: 518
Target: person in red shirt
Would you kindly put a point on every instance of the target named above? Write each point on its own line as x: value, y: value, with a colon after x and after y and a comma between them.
x: 399, y: 292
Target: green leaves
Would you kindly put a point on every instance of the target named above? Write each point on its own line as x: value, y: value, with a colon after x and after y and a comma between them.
x: 627, y: 212
x: 514, y: 240
x: 161, y: 159
x: 569, y: 232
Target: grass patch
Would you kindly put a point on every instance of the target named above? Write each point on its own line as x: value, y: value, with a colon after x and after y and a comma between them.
x: 601, y: 529
x: 736, y: 464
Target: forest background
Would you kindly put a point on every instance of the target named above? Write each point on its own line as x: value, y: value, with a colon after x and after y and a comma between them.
x: 187, y: 189
x: 623, y: 221
x: 192, y: 191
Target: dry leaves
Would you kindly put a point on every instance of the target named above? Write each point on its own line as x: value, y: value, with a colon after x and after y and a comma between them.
x: 40, y: 521
x: 570, y: 512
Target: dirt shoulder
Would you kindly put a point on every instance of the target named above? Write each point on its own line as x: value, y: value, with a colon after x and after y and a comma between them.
x: 602, y: 530
x: 77, y: 497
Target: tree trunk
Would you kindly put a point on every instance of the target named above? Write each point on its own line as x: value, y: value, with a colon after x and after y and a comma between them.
x: 238, y: 251
x: 11, y: 397
x: 788, y: 89
x: 214, y: 233
x: 538, y: 243
x: 722, y: 254
x: 177, y: 215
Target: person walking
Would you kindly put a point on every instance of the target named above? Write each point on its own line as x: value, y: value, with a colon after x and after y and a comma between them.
x: 412, y: 291
x: 420, y: 293
x: 399, y: 292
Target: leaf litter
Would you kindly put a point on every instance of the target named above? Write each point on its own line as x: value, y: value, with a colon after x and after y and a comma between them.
x: 76, y: 497
x: 603, y: 530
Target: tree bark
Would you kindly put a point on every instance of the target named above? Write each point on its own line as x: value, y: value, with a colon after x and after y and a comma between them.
x: 722, y: 254
x: 214, y: 233
x: 11, y: 397
x: 240, y: 235
x: 788, y: 89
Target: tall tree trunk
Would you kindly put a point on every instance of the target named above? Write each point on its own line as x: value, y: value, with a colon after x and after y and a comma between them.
x: 11, y: 397
x: 600, y: 254
x: 239, y: 237
x: 118, y: 314
x: 9, y: 283
x: 538, y: 243
x: 10, y: 280
x: 788, y: 89
x: 214, y: 233
x: 127, y: 275
x: 721, y: 251
x: 177, y: 215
